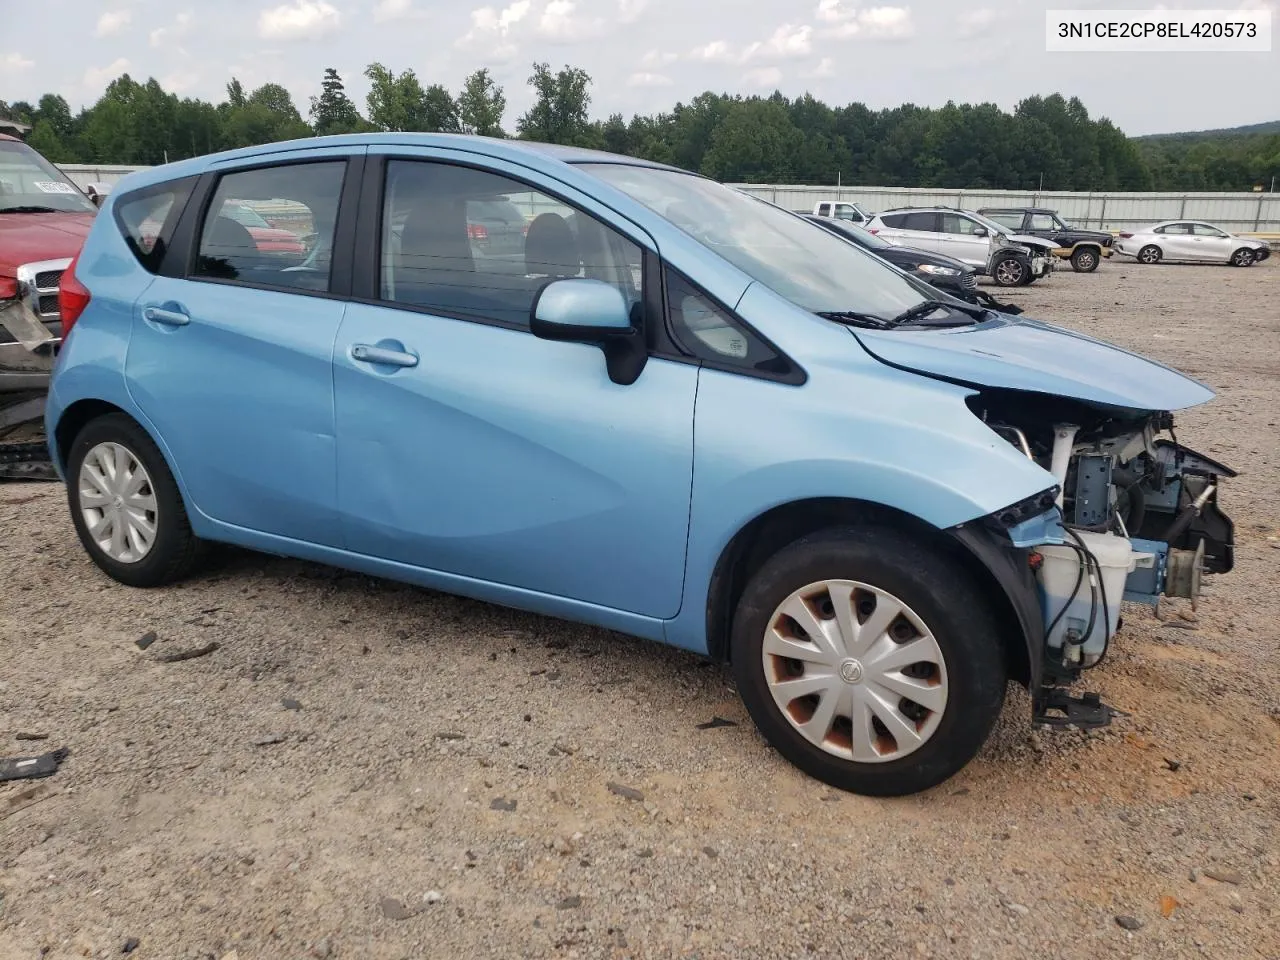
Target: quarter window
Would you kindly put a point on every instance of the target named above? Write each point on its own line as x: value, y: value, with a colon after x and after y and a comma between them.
x: 456, y: 240
x: 144, y: 216
x: 273, y: 226
x: 927, y: 222
x: 710, y: 332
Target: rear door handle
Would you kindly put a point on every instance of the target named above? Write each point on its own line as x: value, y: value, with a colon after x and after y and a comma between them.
x: 171, y: 318
x: 368, y: 353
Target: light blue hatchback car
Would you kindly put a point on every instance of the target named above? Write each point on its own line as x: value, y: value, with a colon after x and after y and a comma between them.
x: 620, y: 393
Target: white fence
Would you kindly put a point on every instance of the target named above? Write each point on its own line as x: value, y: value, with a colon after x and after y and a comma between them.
x: 1237, y: 212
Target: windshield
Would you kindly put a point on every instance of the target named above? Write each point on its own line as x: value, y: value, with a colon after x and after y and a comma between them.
x: 804, y: 263
x: 29, y: 180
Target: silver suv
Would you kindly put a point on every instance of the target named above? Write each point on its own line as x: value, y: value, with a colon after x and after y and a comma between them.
x: 1011, y: 261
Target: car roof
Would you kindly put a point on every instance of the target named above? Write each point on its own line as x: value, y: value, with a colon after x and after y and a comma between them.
x: 986, y: 210
x: 526, y: 152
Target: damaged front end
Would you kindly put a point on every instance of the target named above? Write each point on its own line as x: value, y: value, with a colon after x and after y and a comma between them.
x: 1134, y: 516
x: 27, y: 350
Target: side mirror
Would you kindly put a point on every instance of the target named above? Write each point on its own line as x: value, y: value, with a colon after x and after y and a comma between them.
x: 980, y: 231
x: 591, y: 311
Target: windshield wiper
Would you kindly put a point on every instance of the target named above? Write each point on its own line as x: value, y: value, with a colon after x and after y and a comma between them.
x: 29, y: 208
x: 855, y: 319
x: 921, y: 310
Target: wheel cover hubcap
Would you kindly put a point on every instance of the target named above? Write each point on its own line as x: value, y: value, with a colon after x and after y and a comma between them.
x: 855, y: 671
x: 117, y: 502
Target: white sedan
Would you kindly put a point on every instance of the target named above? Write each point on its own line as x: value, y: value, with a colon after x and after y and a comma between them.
x: 1190, y: 240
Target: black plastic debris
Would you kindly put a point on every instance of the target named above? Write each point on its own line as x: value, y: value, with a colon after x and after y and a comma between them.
x: 717, y: 722
x: 181, y: 655
x: 32, y: 768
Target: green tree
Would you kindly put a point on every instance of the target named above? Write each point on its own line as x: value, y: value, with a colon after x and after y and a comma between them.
x: 481, y: 105
x: 559, y: 111
x: 755, y: 143
x: 398, y: 102
x: 332, y: 111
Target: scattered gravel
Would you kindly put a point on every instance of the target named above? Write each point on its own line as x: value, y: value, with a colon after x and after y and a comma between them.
x: 197, y: 815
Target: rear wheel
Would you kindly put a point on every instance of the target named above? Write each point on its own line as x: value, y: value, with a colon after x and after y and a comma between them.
x: 1010, y: 272
x: 125, y: 505
x: 1242, y: 258
x: 869, y: 661
x: 1084, y: 260
x: 1149, y: 254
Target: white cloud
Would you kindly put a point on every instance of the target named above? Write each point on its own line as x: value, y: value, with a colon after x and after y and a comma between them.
x: 560, y: 22
x: 180, y: 82
x: 181, y: 27
x: 826, y: 68
x: 392, y: 10
x: 96, y: 78
x: 763, y: 77
x: 656, y: 58
x: 787, y: 41
x: 717, y: 51
x: 648, y: 80
x: 975, y: 23
x: 489, y: 30
x: 874, y: 23
x: 629, y: 11
x: 300, y: 20
x: 113, y: 21
x: 14, y: 63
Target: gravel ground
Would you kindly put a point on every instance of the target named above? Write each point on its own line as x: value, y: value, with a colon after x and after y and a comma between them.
x: 363, y: 769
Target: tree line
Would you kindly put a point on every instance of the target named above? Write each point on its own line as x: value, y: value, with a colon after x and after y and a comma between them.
x: 1044, y: 142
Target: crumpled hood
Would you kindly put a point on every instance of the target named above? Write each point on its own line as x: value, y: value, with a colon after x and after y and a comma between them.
x: 1017, y: 353
x: 26, y: 237
x: 1036, y: 243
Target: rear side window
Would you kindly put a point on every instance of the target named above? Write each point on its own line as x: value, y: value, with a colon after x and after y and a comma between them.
x: 921, y: 221
x: 894, y: 221
x: 273, y: 226
x: 146, y: 219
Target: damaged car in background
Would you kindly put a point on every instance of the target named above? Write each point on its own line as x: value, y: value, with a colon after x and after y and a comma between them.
x: 883, y: 505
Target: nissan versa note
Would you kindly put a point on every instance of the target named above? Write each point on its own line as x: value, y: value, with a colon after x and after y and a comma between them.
x: 659, y: 406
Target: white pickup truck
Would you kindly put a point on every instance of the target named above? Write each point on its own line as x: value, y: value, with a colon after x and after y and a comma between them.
x: 840, y: 210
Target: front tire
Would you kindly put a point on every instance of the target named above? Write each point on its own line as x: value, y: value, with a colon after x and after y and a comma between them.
x: 1010, y: 272
x: 1150, y: 254
x: 868, y: 660
x: 1242, y: 258
x: 126, y: 507
x: 1085, y: 260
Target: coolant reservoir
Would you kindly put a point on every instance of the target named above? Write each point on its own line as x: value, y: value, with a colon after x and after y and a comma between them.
x: 1057, y: 577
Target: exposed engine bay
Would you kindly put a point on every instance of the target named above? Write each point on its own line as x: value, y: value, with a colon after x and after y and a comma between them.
x: 1137, y: 516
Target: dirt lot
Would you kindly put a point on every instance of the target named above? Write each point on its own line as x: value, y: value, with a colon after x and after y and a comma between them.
x: 442, y: 786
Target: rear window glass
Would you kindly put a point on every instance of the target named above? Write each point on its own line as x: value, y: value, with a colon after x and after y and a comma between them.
x: 146, y: 219
x: 921, y: 221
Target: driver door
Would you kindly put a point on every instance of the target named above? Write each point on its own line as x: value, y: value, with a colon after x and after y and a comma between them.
x: 1211, y: 243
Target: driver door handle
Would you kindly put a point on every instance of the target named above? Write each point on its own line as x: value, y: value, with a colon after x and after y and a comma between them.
x: 170, y: 318
x: 368, y: 353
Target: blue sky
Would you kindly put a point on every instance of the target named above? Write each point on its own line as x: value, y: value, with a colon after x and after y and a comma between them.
x: 643, y: 55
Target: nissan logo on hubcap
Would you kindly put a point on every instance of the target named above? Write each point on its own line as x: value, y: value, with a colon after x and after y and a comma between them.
x: 851, y: 671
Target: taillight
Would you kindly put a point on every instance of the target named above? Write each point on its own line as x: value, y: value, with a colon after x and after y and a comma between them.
x: 477, y: 231
x: 73, y: 297
x: 1125, y: 236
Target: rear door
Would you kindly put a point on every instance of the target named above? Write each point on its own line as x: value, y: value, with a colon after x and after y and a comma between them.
x: 1178, y: 242
x: 231, y: 351
x: 920, y: 229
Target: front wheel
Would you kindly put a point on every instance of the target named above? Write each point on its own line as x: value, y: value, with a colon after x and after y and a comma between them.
x: 1010, y: 272
x: 125, y: 505
x: 1242, y: 258
x: 869, y: 661
x: 1084, y: 260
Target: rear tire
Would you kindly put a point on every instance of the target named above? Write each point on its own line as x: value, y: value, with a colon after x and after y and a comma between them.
x: 1085, y: 260
x: 126, y: 507
x: 934, y: 639
x: 1242, y: 258
x: 1150, y: 254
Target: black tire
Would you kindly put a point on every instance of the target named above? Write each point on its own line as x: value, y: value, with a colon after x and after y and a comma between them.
x: 1242, y: 258
x: 1150, y: 254
x: 1010, y: 272
x: 944, y: 597
x: 1085, y: 259
x: 175, y: 550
